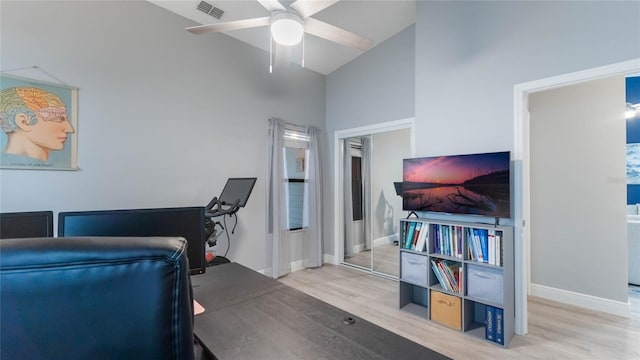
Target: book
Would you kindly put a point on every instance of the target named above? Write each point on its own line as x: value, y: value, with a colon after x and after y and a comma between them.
x: 490, y: 330
x: 477, y: 248
x: 416, y: 233
x: 452, y: 285
x: 472, y: 254
x: 491, y: 252
x: 422, y: 240
x: 482, y: 233
x: 409, y: 236
x: 454, y: 270
x: 448, y: 246
x: 439, y: 276
x: 499, y: 325
x: 459, y: 249
x: 499, y: 260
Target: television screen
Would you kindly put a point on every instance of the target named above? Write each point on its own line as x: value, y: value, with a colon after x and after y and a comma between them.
x: 237, y: 189
x: 476, y: 184
x: 26, y: 224
x: 187, y: 222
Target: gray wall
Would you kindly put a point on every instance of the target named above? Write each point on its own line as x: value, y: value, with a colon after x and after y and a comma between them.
x: 165, y: 117
x: 469, y: 55
x: 578, y: 189
x: 376, y: 87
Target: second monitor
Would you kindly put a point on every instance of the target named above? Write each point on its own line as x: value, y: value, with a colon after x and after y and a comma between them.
x: 187, y: 222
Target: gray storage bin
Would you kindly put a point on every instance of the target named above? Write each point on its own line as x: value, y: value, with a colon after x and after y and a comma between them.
x: 414, y: 268
x: 485, y: 283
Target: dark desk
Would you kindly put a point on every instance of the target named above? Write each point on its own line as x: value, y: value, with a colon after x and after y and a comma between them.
x: 251, y: 316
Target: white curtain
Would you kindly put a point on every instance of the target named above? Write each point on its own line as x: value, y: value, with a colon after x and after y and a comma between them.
x: 348, y: 199
x: 312, y: 244
x: 278, y: 261
x: 366, y: 190
x: 278, y: 236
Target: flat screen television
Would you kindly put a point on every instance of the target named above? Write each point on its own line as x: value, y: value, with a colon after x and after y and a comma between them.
x: 26, y: 224
x: 187, y: 222
x: 473, y: 184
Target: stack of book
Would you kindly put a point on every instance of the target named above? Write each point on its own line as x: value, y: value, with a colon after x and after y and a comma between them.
x: 447, y: 240
x: 449, y: 274
x: 416, y: 234
x: 485, y: 245
x: 494, y: 324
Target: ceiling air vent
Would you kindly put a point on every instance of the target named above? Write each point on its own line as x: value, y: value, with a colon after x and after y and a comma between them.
x: 211, y: 10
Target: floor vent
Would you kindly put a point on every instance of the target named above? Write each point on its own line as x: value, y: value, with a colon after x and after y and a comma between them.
x: 211, y: 10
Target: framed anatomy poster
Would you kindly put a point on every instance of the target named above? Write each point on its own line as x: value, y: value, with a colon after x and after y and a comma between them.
x: 39, y: 125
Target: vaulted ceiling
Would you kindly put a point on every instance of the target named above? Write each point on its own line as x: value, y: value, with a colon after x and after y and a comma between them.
x: 375, y: 20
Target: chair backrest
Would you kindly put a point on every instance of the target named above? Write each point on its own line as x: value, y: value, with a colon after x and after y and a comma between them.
x: 95, y: 298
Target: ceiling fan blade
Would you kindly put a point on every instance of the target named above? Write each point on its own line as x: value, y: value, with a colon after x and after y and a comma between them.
x: 272, y: 5
x: 230, y: 25
x: 307, y: 8
x: 333, y: 33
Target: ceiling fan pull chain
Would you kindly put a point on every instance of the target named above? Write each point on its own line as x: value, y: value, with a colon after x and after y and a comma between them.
x: 270, y: 53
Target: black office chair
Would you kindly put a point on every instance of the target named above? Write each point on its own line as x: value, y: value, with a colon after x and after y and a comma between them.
x: 95, y: 298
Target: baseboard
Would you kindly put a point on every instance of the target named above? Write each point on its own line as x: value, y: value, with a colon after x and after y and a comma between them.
x: 386, y: 239
x: 582, y: 300
x: 330, y: 259
x: 296, y: 265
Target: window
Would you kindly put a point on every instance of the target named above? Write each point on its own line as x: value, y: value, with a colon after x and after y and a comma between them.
x: 295, y: 171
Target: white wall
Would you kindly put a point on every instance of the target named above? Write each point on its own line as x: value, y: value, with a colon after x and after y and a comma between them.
x: 578, y: 189
x: 165, y: 117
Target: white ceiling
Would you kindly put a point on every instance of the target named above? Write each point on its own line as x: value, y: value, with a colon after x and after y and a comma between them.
x: 374, y: 19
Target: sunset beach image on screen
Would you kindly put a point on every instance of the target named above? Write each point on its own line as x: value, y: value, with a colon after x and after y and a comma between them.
x: 476, y: 184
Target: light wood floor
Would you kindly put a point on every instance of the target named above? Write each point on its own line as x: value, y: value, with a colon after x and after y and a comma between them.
x: 556, y: 331
x: 385, y: 259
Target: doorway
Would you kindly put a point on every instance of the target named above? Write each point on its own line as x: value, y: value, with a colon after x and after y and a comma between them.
x: 522, y: 217
x: 368, y: 161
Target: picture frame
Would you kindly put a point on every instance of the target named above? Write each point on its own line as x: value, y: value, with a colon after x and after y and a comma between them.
x: 39, y: 122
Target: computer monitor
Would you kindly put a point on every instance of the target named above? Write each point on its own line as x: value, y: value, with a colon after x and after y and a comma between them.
x: 187, y: 222
x: 26, y: 224
x: 237, y: 188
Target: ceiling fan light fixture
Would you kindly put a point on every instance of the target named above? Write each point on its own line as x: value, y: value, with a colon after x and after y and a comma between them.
x: 286, y: 28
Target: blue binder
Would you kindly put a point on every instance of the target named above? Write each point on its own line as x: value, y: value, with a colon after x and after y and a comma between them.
x: 490, y: 329
x: 499, y: 326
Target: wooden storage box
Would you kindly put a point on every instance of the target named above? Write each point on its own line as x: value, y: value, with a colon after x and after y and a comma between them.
x: 446, y: 309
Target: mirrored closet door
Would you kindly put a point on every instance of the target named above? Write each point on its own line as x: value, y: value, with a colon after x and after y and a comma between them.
x: 371, y: 208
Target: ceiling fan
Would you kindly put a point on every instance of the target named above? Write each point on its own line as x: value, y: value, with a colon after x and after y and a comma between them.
x: 288, y: 24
